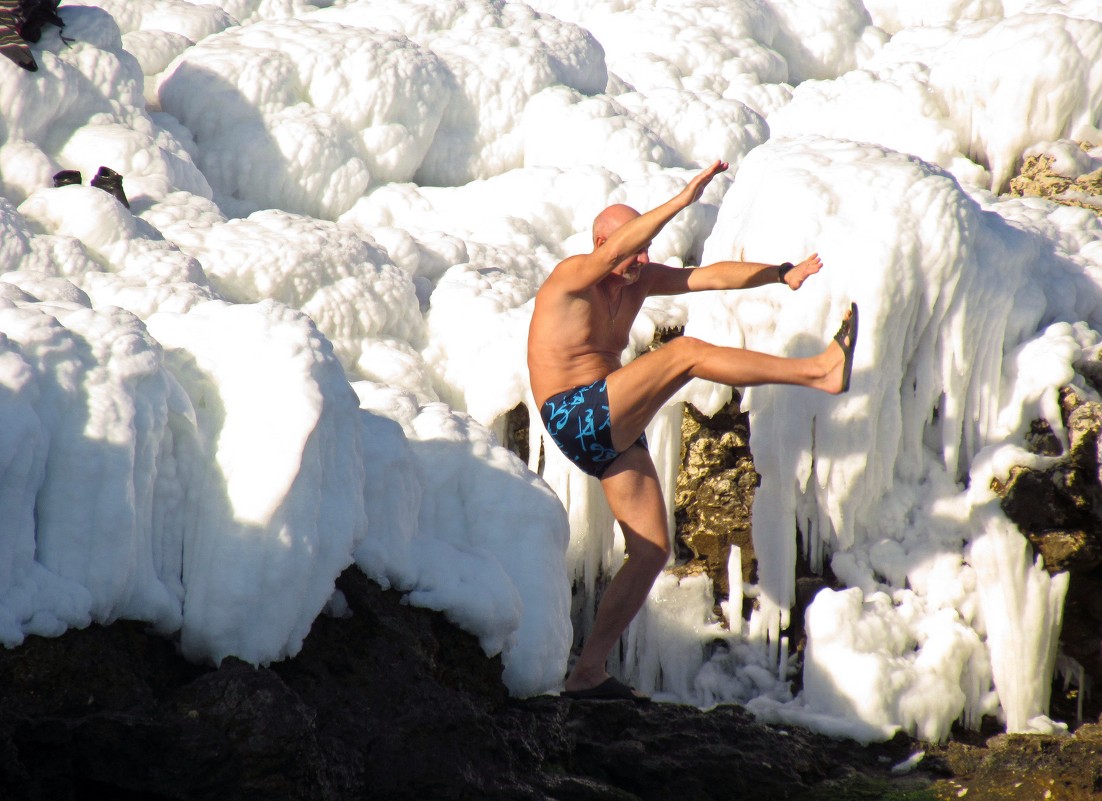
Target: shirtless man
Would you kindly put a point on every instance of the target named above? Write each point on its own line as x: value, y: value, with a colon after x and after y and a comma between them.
x: 596, y: 410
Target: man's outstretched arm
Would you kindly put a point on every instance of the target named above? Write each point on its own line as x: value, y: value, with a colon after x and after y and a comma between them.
x: 729, y: 275
x: 636, y: 234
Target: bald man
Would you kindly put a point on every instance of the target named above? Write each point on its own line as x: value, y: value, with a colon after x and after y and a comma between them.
x: 596, y: 410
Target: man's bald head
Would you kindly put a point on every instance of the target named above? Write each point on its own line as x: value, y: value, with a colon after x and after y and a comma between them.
x: 610, y: 219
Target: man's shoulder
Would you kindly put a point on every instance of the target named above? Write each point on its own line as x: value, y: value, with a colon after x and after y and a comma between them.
x: 570, y: 263
x: 563, y: 272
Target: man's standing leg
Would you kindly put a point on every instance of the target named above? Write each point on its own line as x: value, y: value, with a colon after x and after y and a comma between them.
x: 635, y: 498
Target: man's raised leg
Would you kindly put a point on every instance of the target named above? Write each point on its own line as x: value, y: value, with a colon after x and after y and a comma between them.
x: 640, y: 388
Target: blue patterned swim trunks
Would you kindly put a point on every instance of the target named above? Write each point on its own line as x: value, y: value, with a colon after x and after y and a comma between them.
x: 578, y: 421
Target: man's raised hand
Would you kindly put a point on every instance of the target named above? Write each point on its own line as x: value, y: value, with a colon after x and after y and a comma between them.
x: 695, y: 188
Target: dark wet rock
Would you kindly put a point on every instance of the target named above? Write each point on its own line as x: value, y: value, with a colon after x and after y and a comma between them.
x: 516, y: 431
x: 392, y: 700
x: 1060, y: 507
x: 391, y: 703
x: 394, y: 703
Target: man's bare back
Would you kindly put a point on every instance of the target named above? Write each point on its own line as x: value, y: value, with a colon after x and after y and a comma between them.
x: 596, y: 409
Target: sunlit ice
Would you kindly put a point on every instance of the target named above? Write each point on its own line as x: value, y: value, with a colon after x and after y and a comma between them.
x: 296, y: 348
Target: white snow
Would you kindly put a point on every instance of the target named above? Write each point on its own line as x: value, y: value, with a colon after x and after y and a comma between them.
x: 297, y: 348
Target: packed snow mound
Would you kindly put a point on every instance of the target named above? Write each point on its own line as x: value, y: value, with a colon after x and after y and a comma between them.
x: 325, y: 108
x: 52, y: 121
x: 185, y: 519
x: 984, y: 73
x: 498, y: 56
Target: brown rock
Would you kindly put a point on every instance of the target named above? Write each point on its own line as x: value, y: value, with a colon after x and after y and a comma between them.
x: 1037, y: 179
x: 1021, y: 767
x: 715, y: 491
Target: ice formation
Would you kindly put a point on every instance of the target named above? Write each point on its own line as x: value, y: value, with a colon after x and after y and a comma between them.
x: 296, y: 350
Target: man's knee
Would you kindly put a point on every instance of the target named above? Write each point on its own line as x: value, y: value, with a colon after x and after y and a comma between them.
x: 649, y: 556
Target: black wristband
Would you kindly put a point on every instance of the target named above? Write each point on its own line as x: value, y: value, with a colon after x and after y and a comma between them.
x: 782, y: 271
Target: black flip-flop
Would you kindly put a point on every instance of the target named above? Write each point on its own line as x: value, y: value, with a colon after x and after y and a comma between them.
x: 611, y: 689
x: 847, y: 331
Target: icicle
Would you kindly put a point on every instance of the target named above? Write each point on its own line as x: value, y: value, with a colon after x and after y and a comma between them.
x: 1023, y: 610
x: 664, y: 647
x: 500, y: 428
x: 535, y: 437
x: 732, y: 607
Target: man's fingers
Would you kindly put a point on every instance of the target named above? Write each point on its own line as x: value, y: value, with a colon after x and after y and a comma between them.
x: 714, y: 170
x: 704, y: 177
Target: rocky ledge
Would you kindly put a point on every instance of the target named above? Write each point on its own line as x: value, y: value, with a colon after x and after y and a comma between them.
x: 392, y: 702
